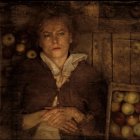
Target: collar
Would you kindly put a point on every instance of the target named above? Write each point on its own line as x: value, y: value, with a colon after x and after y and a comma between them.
x: 70, y: 64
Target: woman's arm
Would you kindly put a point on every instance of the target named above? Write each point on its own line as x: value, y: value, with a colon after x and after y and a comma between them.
x: 31, y: 120
x: 55, y: 117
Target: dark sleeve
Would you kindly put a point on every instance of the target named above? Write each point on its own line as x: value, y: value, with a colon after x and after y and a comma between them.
x: 96, y: 106
x: 17, y: 90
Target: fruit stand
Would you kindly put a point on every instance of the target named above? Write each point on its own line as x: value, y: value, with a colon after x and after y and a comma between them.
x: 123, y: 112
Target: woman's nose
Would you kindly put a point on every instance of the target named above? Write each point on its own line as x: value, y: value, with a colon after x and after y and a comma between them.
x: 54, y: 39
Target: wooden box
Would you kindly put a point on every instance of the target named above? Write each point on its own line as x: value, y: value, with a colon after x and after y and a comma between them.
x: 123, y: 112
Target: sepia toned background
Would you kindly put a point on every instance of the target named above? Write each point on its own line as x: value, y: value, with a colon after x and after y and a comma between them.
x: 109, y: 32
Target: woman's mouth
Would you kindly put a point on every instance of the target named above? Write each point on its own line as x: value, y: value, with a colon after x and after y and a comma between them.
x: 56, y: 48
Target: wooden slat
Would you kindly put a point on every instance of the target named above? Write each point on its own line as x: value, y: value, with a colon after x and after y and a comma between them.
x: 85, y: 45
x: 119, y: 17
x: 87, y: 20
x: 121, y: 58
x: 97, y: 51
x: 135, y: 58
x: 106, y: 56
x: 119, y: 25
x: 102, y: 57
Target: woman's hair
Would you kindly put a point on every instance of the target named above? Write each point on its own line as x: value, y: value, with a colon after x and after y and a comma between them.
x: 62, y: 16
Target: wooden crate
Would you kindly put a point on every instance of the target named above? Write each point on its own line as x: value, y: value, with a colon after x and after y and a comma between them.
x: 123, y: 88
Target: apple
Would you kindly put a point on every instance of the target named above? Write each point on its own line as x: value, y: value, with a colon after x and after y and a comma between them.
x: 115, y: 129
x: 132, y: 97
x: 8, y: 39
x: 132, y: 120
x: 136, y: 47
x: 136, y: 129
x: 127, y: 108
x: 115, y: 106
x: 119, y: 118
x: 127, y: 131
x: 20, y: 48
x: 118, y: 96
x: 137, y: 107
x: 31, y: 54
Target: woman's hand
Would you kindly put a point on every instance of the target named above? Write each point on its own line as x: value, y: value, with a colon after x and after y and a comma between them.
x: 74, y: 113
x: 59, y: 118
x: 54, y: 117
x: 70, y: 127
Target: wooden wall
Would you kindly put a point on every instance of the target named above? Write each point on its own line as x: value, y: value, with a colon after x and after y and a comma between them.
x: 116, y: 55
x: 110, y: 34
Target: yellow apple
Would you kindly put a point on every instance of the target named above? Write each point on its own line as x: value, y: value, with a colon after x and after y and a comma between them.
x: 8, y: 39
x: 127, y: 131
x: 20, y: 48
x: 115, y: 106
x: 132, y: 97
x: 136, y: 47
x: 115, y: 129
x: 137, y: 129
x: 118, y: 96
x: 31, y: 54
x: 132, y: 120
x: 127, y: 108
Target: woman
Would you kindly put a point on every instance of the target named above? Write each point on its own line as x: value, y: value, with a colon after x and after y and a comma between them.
x: 57, y: 94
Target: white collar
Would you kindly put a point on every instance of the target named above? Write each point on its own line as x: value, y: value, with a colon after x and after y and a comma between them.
x: 70, y: 64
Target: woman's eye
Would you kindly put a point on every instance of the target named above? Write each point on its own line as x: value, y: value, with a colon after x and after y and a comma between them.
x: 61, y: 33
x: 46, y: 35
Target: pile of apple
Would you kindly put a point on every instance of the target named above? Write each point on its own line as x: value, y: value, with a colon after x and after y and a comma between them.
x: 125, y: 114
x: 9, y: 40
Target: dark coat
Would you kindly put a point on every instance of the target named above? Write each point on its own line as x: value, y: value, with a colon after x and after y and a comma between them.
x: 33, y: 88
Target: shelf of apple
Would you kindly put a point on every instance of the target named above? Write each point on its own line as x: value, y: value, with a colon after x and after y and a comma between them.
x: 15, y: 48
x: 11, y: 47
x: 123, y: 111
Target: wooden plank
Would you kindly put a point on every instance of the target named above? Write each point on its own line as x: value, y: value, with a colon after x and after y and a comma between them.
x: 119, y: 25
x: 84, y: 45
x: 87, y: 19
x: 135, y: 58
x: 0, y: 68
x: 106, y: 56
x: 102, y: 57
x: 97, y: 52
x: 119, y: 17
x: 121, y: 58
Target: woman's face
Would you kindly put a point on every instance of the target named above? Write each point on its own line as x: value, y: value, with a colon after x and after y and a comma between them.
x: 55, y: 38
